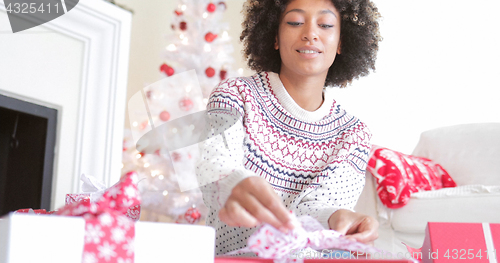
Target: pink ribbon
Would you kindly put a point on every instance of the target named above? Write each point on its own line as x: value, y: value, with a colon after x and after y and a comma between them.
x: 109, y: 235
x: 268, y: 242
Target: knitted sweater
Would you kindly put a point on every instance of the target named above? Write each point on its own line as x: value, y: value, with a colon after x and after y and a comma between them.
x: 315, y: 161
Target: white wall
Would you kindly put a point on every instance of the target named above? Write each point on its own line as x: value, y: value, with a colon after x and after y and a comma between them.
x: 437, y: 64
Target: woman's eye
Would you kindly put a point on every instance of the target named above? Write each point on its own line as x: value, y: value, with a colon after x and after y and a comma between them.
x: 326, y: 26
x: 294, y: 23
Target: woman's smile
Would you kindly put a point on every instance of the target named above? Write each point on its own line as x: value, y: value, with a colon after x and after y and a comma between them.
x: 309, y: 52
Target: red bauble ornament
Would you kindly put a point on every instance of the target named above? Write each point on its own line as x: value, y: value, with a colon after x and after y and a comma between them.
x: 209, y: 37
x: 178, y: 13
x: 211, y: 8
x: 183, y: 25
x: 164, y: 115
x: 170, y: 72
x: 186, y: 104
x: 164, y: 67
x: 210, y: 72
x: 192, y: 215
x: 167, y: 69
x: 223, y: 74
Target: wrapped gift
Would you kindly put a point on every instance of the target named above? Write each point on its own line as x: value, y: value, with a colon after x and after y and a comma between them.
x: 472, y: 242
x: 99, y: 232
x: 109, y: 234
x: 309, y: 241
x: 27, y: 238
x: 93, y: 191
x: 133, y: 212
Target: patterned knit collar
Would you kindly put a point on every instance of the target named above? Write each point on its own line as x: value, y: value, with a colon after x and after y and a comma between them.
x: 293, y: 108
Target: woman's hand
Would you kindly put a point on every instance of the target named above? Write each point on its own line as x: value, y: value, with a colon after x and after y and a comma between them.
x: 355, y: 226
x: 253, y: 201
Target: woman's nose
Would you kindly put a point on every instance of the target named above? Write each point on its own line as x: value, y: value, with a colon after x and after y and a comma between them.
x: 309, y: 34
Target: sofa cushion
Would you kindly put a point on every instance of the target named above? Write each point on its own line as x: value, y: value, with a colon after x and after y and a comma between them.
x: 469, y: 152
x: 469, y: 203
x: 399, y: 175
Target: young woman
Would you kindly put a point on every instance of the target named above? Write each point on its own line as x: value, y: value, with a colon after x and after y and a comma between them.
x: 293, y: 148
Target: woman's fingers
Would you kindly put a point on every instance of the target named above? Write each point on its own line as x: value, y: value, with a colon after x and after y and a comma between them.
x: 340, y: 221
x: 224, y: 217
x: 261, y: 211
x: 270, y: 209
x: 253, y: 201
x: 280, y: 215
x: 355, y: 226
x: 366, y: 231
x: 234, y: 215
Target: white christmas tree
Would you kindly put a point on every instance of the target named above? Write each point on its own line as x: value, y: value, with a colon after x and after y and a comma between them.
x: 200, y: 42
x: 199, y: 45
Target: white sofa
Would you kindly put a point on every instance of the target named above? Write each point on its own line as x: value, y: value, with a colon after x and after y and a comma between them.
x: 471, y: 155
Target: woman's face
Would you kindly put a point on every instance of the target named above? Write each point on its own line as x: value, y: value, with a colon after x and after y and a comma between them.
x: 308, y: 37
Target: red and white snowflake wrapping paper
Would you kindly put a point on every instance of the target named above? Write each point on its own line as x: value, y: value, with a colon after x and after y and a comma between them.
x: 72, y: 198
x: 133, y: 212
x: 109, y: 234
x: 268, y: 242
x: 34, y: 212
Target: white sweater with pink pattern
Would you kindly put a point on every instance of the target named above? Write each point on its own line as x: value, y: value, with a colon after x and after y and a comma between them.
x: 315, y: 161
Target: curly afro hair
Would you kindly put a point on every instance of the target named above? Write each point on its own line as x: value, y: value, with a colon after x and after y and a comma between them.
x: 359, y: 36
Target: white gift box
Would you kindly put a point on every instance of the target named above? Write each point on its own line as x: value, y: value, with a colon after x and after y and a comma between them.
x: 50, y: 238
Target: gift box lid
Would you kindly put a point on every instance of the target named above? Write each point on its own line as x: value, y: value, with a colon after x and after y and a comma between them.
x: 474, y: 242
x: 174, y: 243
x: 28, y: 238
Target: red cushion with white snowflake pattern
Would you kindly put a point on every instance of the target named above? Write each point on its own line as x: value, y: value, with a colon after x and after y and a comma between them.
x: 398, y: 175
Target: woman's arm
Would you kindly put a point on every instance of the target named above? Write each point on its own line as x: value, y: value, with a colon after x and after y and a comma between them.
x: 240, y: 197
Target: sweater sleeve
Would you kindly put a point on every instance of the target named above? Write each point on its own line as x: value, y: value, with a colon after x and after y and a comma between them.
x: 342, y: 188
x: 221, y: 166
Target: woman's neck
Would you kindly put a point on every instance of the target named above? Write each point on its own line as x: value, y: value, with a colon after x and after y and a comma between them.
x: 307, y: 92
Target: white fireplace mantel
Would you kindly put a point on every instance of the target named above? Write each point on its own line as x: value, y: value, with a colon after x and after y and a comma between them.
x: 77, y: 64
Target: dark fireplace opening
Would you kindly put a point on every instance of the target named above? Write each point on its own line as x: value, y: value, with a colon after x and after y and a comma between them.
x: 27, y: 143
